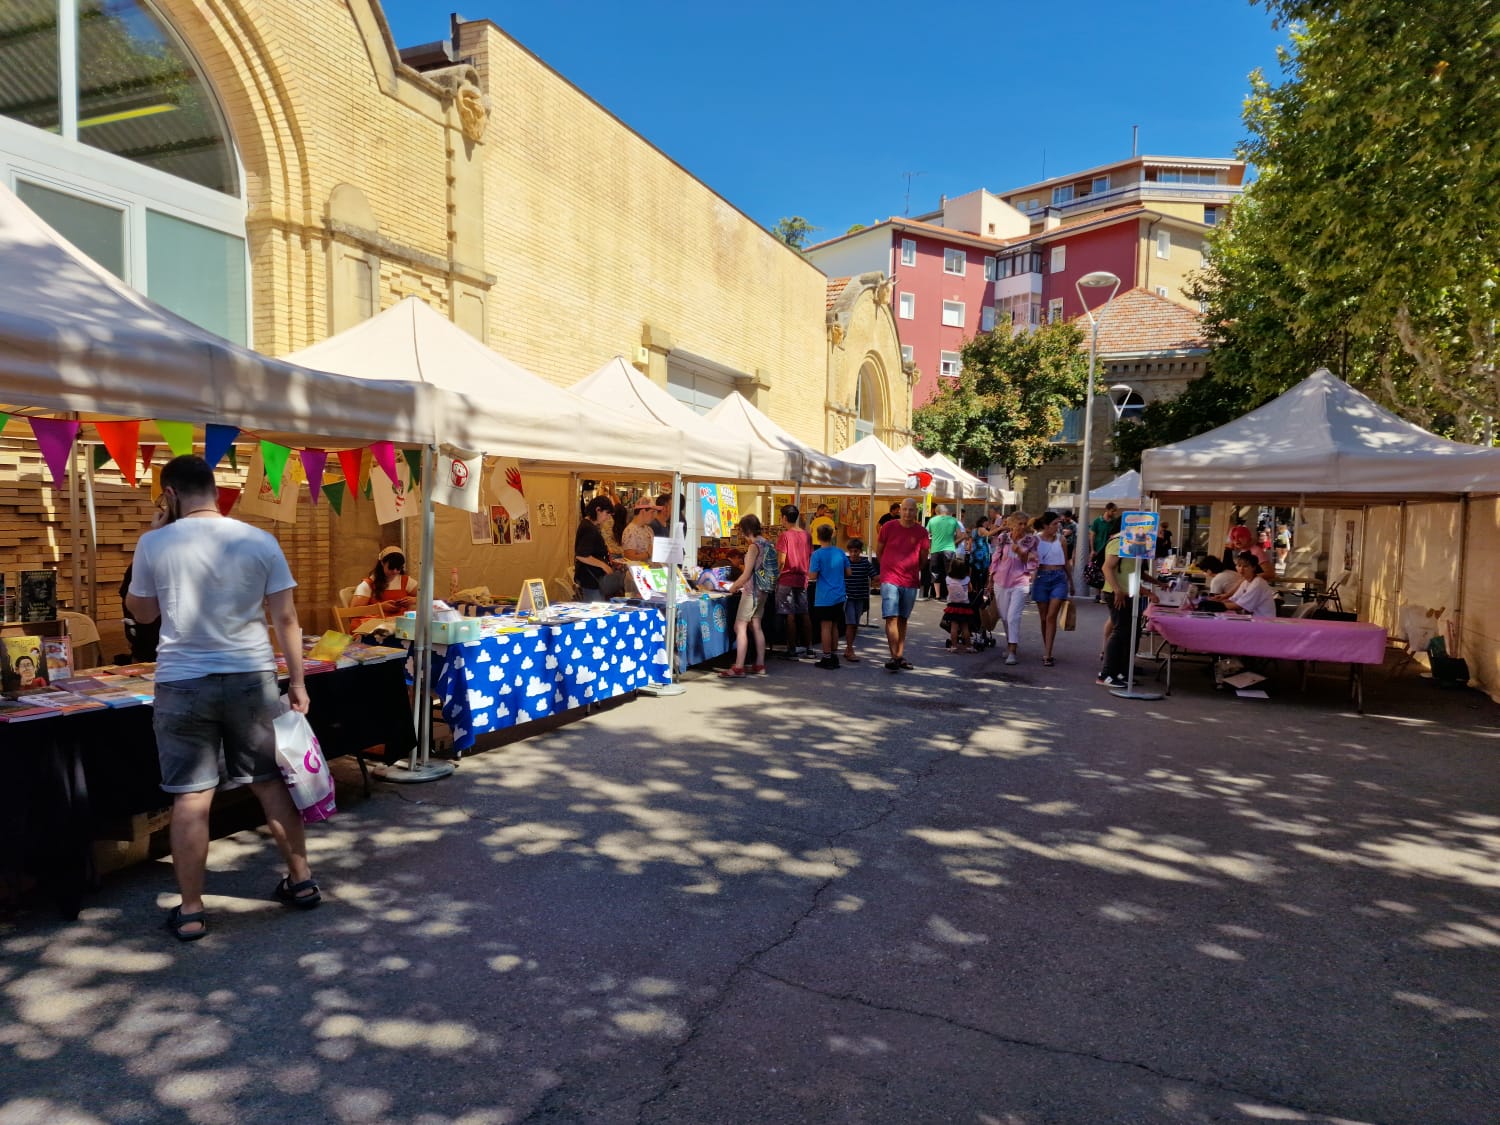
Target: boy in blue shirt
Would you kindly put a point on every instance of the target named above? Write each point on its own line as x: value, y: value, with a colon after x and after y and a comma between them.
x: 828, y: 568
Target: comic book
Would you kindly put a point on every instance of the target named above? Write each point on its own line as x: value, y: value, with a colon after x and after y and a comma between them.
x: 22, y: 665
x: 37, y: 595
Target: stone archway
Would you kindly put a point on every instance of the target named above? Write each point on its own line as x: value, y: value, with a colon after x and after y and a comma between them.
x: 869, y: 389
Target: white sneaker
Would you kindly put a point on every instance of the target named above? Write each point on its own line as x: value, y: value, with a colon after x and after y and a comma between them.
x: 1010, y: 658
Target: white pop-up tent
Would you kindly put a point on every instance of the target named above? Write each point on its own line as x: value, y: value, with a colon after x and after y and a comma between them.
x: 1322, y: 443
x: 946, y: 485
x: 711, y: 453
x: 75, y: 338
x: 1123, y: 492
x: 811, y: 468
x: 891, y: 472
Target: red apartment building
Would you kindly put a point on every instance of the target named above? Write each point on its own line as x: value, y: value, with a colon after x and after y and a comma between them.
x: 983, y: 259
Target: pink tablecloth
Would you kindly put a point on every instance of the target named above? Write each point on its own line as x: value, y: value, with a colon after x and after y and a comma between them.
x: 1282, y: 638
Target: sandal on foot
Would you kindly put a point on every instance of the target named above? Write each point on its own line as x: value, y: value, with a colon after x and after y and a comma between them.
x: 296, y: 894
x: 906, y: 665
x: 177, y: 921
x: 851, y: 658
x: 1048, y: 662
x: 734, y: 673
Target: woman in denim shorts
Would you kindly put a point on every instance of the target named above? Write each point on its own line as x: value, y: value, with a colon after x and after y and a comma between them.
x: 1052, y: 585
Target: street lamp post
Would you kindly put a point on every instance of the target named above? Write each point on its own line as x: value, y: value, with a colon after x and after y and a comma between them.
x: 1099, y: 279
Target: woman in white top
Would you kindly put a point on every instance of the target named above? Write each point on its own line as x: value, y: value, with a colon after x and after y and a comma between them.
x: 1052, y: 585
x: 1252, y: 595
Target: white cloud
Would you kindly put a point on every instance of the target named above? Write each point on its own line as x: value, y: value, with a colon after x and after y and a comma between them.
x: 483, y: 657
x: 478, y: 701
x: 576, y: 654
x: 551, y: 662
x: 497, y: 674
x: 598, y: 652
x: 587, y: 675
x: 528, y: 664
x: 537, y: 686
x: 627, y: 666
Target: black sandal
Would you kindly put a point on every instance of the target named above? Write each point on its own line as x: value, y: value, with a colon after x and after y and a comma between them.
x: 295, y: 894
x: 906, y: 665
x: 176, y: 920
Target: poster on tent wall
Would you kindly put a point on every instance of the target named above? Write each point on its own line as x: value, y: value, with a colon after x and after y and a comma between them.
x: 258, y: 497
x: 479, y: 527
x: 510, y: 513
x: 708, y: 506
x: 729, y: 507
x: 392, y: 501
x: 459, y: 478
x: 854, y: 516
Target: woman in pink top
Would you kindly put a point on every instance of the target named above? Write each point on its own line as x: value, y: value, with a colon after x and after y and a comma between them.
x: 1011, y: 566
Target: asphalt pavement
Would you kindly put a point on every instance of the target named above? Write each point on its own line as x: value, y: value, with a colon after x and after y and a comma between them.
x: 966, y: 893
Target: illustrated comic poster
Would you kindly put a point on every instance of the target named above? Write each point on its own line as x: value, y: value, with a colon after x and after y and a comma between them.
x: 708, y: 504
x: 392, y: 501
x: 258, y: 497
x: 729, y: 507
x: 510, y: 513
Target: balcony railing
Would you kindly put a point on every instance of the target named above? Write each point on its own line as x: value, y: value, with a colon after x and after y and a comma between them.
x: 1136, y: 193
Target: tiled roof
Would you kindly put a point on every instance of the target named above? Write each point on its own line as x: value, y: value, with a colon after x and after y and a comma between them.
x: 835, y: 287
x: 1138, y: 322
x: 1109, y: 214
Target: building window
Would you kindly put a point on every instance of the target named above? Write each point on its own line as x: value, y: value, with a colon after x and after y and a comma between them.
x: 1101, y: 183
x: 1072, y: 427
x: 908, y: 355
x: 950, y: 364
x: 989, y: 267
x: 1059, y: 259
x: 953, y: 314
x: 1162, y: 291
x: 1163, y: 244
x: 140, y: 169
x: 866, y: 404
x: 700, y: 391
x: 1211, y: 216
x: 1054, y: 310
x: 1004, y: 268
x: 907, y: 306
x: 1061, y: 195
x: 954, y: 262
x: 987, y: 318
x: 908, y: 251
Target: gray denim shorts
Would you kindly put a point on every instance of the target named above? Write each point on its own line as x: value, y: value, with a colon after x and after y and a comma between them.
x: 215, y: 729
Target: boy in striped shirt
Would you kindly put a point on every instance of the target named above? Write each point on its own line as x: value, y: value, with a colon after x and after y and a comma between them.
x: 856, y: 594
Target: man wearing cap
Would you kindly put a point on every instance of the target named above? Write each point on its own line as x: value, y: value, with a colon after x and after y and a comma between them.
x: 636, y: 539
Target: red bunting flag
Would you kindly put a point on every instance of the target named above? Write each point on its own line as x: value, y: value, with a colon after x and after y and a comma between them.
x: 349, y: 460
x: 148, y: 452
x: 121, y: 439
x: 227, y: 497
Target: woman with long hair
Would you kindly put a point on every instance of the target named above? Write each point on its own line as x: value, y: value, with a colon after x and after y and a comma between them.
x: 387, y: 584
x: 1053, y: 584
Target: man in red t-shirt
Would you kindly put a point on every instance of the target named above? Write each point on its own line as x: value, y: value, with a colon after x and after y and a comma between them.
x: 794, y: 545
x: 901, y: 549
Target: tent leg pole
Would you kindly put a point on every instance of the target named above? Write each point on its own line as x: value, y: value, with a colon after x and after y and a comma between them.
x: 93, y: 530
x: 670, y: 687
x: 419, y: 767
x: 75, y: 521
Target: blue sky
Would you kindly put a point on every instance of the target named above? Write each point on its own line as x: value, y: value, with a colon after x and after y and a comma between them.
x: 819, y: 109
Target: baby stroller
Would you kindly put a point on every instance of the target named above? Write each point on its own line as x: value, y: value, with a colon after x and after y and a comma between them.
x: 980, y: 638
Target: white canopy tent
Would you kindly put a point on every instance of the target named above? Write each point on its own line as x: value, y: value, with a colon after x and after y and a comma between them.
x: 811, y: 468
x: 1123, y: 492
x: 76, y: 339
x: 946, y: 485
x: 710, y: 452
x: 891, y: 472
x: 1321, y: 444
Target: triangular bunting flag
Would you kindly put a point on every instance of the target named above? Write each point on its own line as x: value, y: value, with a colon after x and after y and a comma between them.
x: 4, y: 418
x: 275, y: 458
x: 365, y: 461
x: 218, y: 440
x: 227, y: 497
x: 178, y: 436
x: 414, y: 463
x: 234, y: 458
x: 334, y: 490
x: 313, y: 463
x: 297, y: 469
x: 385, y: 456
x: 100, y: 457
x: 148, y: 454
x: 349, y: 460
x: 120, y: 440
x: 56, y: 437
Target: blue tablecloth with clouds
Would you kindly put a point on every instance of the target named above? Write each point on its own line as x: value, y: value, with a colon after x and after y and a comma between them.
x: 511, y: 678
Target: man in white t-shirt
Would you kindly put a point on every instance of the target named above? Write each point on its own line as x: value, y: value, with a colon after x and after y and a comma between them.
x: 210, y: 580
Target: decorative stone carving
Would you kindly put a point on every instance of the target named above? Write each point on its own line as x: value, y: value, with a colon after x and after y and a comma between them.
x: 461, y: 83
x: 836, y: 334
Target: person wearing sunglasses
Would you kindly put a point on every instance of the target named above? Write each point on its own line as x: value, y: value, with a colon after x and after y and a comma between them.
x: 387, y: 583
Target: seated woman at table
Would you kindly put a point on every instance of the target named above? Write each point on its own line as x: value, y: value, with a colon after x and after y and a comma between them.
x: 637, y: 537
x: 388, y: 584
x: 1252, y: 595
x: 1221, y: 579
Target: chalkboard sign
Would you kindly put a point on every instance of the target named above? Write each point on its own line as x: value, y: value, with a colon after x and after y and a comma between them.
x: 533, y: 597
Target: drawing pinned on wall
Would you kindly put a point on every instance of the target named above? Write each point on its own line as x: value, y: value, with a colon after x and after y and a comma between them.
x: 510, y: 514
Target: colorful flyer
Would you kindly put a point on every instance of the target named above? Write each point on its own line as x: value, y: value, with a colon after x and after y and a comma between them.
x: 729, y: 507
x: 1138, y: 535
x: 708, y: 504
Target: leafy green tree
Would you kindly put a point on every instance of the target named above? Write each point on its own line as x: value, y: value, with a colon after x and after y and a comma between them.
x: 1008, y: 403
x: 1370, y: 242
x: 794, y: 231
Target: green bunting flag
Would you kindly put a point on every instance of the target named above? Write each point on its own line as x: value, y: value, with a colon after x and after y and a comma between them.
x: 4, y: 418
x: 178, y: 436
x: 101, y: 457
x: 334, y: 490
x: 274, y: 457
x: 414, y: 463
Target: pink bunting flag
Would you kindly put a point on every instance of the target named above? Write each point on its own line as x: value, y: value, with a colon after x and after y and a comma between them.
x: 349, y: 460
x: 313, y: 462
x: 121, y: 439
x: 385, y: 456
x: 56, y: 437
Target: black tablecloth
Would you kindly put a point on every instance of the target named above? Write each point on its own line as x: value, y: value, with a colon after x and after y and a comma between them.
x: 72, y: 772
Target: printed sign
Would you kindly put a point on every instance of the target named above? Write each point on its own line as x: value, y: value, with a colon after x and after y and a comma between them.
x: 1138, y: 532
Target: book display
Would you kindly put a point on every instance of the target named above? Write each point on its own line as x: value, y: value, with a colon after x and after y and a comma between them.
x: 37, y: 595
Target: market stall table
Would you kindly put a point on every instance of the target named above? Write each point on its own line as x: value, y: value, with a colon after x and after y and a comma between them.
x: 544, y: 669
x: 705, y: 628
x: 1303, y: 639
x: 74, y: 771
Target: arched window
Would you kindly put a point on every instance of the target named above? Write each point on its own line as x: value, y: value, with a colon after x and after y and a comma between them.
x: 110, y: 132
x: 866, y: 403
